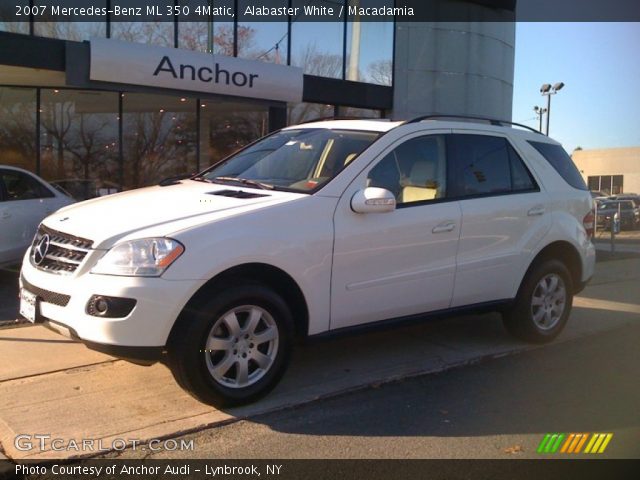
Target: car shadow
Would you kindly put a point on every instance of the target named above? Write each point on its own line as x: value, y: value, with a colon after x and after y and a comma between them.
x: 581, y: 385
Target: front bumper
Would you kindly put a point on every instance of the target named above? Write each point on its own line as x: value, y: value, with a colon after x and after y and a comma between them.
x: 142, y: 334
x: 139, y: 355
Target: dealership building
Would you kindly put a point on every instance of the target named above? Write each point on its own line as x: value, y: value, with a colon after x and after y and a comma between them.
x: 122, y: 104
x: 610, y: 170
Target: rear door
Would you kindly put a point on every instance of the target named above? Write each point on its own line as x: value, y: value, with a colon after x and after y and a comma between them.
x: 505, y: 214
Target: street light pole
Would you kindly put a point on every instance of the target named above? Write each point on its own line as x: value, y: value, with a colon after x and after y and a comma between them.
x: 540, y: 111
x: 547, y: 90
x: 548, y: 112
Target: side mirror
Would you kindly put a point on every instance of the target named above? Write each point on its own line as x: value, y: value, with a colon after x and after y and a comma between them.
x: 373, y: 200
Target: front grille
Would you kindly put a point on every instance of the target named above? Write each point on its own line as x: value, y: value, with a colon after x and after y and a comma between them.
x: 65, y: 253
x: 46, y: 296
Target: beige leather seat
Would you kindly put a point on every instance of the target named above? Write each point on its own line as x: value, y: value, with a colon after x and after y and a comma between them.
x: 421, y: 184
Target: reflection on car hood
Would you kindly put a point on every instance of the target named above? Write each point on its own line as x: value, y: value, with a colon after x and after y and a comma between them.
x: 159, y: 210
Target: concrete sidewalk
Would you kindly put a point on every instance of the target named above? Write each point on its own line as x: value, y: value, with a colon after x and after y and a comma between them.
x: 51, y: 386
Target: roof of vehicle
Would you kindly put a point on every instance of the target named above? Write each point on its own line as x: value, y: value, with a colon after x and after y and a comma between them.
x: 17, y: 169
x: 371, y: 125
x: 385, y: 125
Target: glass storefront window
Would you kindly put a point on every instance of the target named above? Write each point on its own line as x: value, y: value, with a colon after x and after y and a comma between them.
x: 195, y: 35
x: 159, y: 138
x: 226, y: 127
x: 150, y: 33
x: 79, y: 141
x: 359, y: 112
x: 265, y: 41
x: 77, y: 31
x: 370, y: 46
x: 222, y: 29
x: 18, y: 127
x: 317, y: 47
x: 12, y: 27
x: 304, y: 112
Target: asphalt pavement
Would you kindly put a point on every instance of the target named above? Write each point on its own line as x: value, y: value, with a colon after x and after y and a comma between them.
x: 501, y: 408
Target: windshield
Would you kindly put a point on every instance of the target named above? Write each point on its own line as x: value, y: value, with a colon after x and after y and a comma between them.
x: 298, y: 160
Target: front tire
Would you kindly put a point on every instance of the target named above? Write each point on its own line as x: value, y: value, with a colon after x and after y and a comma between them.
x: 233, y: 348
x: 543, y: 303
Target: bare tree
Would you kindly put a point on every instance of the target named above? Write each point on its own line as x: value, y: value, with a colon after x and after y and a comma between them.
x: 380, y: 72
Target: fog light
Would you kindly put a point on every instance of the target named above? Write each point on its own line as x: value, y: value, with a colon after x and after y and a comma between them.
x: 109, y: 307
x: 101, y: 305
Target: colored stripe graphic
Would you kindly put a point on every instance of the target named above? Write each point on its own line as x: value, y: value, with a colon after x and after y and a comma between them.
x: 582, y: 442
x: 598, y: 443
x: 573, y: 443
x: 543, y: 443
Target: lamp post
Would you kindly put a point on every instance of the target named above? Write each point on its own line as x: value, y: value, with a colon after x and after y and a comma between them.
x: 548, y: 90
x: 540, y: 111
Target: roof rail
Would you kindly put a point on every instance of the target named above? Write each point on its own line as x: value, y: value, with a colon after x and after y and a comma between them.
x: 492, y: 121
x: 328, y: 119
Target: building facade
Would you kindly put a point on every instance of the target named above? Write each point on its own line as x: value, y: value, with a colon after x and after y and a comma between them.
x: 119, y: 105
x: 610, y: 170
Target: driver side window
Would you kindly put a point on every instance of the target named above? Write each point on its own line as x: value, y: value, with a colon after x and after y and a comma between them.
x: 415, y: 171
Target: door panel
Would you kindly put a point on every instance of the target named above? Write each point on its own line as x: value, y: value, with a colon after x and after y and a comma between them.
x: 403, y: 262
x: 497, y: 239
x: 392, y: 264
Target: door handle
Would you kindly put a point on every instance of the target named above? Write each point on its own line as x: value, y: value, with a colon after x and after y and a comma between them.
x: 6, y: 214
x: 538, y: 210
x: 444, y: 227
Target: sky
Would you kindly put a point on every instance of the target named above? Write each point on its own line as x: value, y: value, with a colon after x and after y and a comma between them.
x: 599, y: 106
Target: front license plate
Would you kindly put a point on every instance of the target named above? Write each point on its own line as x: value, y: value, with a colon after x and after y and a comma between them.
x: 28, y: 305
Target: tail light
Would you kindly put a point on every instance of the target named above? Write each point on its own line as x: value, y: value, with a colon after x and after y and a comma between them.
x: 589, y: 222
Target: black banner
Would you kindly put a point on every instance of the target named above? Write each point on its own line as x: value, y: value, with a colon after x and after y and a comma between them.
x: 114, y: 469
x: 319, y: 10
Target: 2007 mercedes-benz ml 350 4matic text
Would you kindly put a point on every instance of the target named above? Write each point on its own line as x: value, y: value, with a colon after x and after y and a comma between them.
x: 315, y: 229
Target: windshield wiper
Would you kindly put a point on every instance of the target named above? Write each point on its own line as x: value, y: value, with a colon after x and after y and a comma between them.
x: 244, y: 181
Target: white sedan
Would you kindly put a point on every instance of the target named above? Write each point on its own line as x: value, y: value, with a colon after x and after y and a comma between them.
x: 25, y: 200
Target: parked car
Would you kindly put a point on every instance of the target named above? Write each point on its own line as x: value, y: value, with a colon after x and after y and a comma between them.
x: 598, y: 194
x: 81, y: 189
x: 628, y: 196
x: 315, y: 229
x: 25, y: 200
x: 629, y: 214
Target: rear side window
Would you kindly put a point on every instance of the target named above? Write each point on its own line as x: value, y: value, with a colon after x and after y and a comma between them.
x: 561, y: 161
x: 486, y: 165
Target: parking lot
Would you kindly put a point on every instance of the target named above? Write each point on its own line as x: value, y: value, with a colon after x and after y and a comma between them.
x: 43, y: 376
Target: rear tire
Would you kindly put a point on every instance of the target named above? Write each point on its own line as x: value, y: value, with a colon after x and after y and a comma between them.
x: 543, y: 303
x: 233, y: 348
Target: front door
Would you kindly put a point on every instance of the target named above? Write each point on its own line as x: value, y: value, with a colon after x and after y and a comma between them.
x: 402, y: 262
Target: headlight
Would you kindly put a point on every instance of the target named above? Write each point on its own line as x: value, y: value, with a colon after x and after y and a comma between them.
x: 148, y: 257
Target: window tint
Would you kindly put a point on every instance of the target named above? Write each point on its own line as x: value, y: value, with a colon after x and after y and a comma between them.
x: 414, y: 172
x: 561, y: 161
x: 19, y: 186
x: 481, y: 164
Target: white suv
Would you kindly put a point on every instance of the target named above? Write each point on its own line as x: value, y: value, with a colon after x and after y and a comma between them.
x: 315, y: 229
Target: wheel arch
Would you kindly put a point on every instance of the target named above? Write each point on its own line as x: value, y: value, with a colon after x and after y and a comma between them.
x: 273, y: 277
x: 566, y: 253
